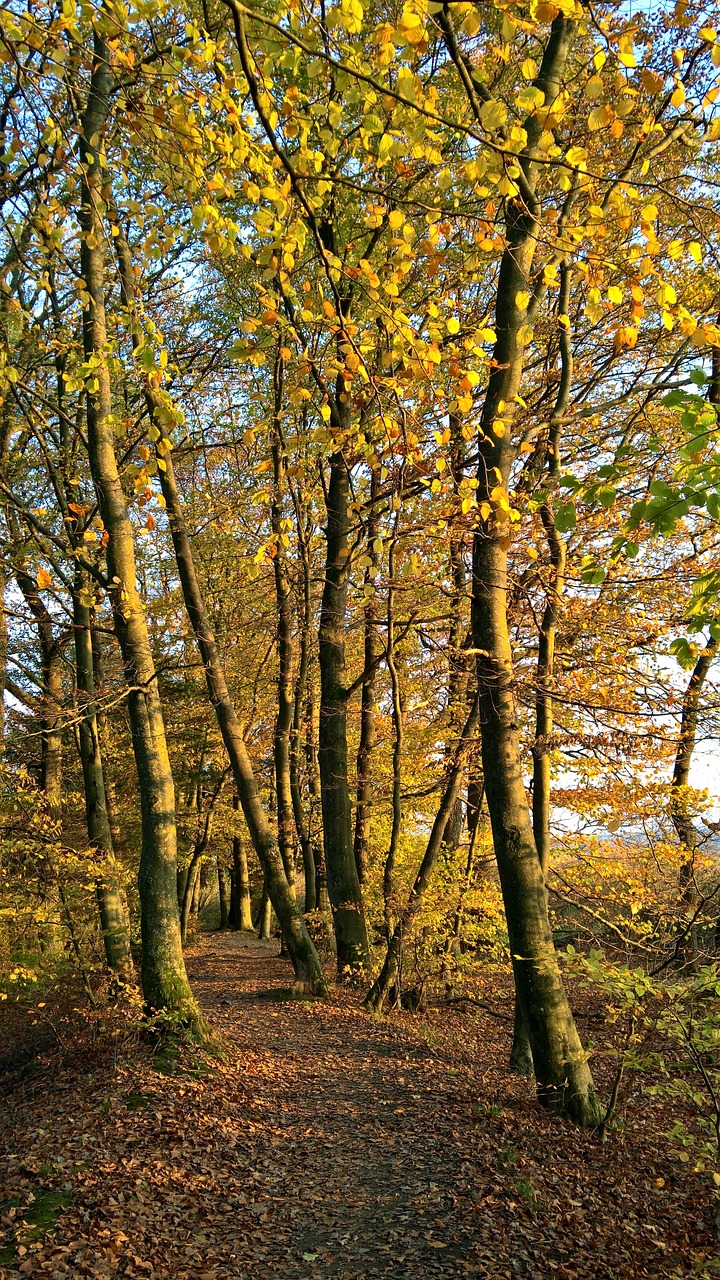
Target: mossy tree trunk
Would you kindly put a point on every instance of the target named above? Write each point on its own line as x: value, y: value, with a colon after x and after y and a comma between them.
x: 563, y: 1076
x: 304, y: 957
x: 342, y: 877
x: 165, y: 983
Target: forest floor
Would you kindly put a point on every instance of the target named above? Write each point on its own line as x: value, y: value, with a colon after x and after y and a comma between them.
x: 325, y: 1144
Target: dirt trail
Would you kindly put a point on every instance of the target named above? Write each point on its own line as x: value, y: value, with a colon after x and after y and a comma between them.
x: 366, y: 1166
x: 327, y: 1146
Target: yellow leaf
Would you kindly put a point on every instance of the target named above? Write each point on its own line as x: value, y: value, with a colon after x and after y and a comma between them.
x: 493, y: 114
x: 695, y: 251
x: 600, y: 117
x: 453, y: 325
x: 615, y: 294
x: 522, y: 299
x: 678, y: 97
x: 43, y: 579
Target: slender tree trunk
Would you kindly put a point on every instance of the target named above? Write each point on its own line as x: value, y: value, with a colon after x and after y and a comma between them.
x: 165, y: 983
x: 398, y: 723
x: 265, y: 916
x: 305, y: 961
x: 561, y: 1068
x: 342, y: 877
x: 378, y: 992
x: 202, y: 840
x: 283, y: 600
x: 302, y: 827
x: 315, y: 829
x: 372, y: 650
x: 457, y: 659
x: 113, y: 917
x: 520, y: 1054
x: 687, y: 832
x: 241, y: 908
x: 222, y: 895
x: 50, y: 700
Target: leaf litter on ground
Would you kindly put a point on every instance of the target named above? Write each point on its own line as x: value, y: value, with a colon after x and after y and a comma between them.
x: 322, y: 1143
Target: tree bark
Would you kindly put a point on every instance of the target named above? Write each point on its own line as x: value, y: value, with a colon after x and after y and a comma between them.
x: 687, y: 832
x: 342, y: 877
x: 201, y: 843
x: 223, y: 895
x: 304, y: 958
x: 50, y: 694
x: 283, y: 600
x: 111, y: 905
x: 241, y: 913
x: 372, y: 649
x: 398, y: 723
x: 303, y: 827
x: 378, y: 992
x: 165, y: 983
x: 520, y: 1054
x: 563, y: 1076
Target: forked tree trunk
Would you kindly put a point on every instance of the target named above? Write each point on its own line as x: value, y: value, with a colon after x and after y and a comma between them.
x: 165, y: 983
x: 563, y: 1076
x: 192, y: 880
x: 304, y: 958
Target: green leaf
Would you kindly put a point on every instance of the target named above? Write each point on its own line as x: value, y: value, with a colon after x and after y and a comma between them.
x: 565, y: 517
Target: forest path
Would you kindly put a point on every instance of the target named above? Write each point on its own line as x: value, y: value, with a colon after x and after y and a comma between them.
x: 326, y: 1146
x: 362, y: 1167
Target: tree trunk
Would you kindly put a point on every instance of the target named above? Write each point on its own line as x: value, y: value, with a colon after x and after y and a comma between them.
x: 398, y: 723
x: 265, y: 916
x: 315, y: 830
x: 378, y: 992
x: 113, y: 917
x: 241, y: 907
x: 302, y: 827
x: 342, y: 877
x: 165, y: 983
x: 283, y: 600
x: 561, y: 1069
x: 520, y: 1054
x: 687, y: 832
x: 222, y: 895
x: 372, y: 649
x: 192, y: 881
x: 50, y: 700
x: 305, y: 961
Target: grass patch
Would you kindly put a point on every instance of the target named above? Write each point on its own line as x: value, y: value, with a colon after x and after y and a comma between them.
x: 276, y: 995
x: 137, y: 1101
x: 168, y: 1061
x: 40, y: 1216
